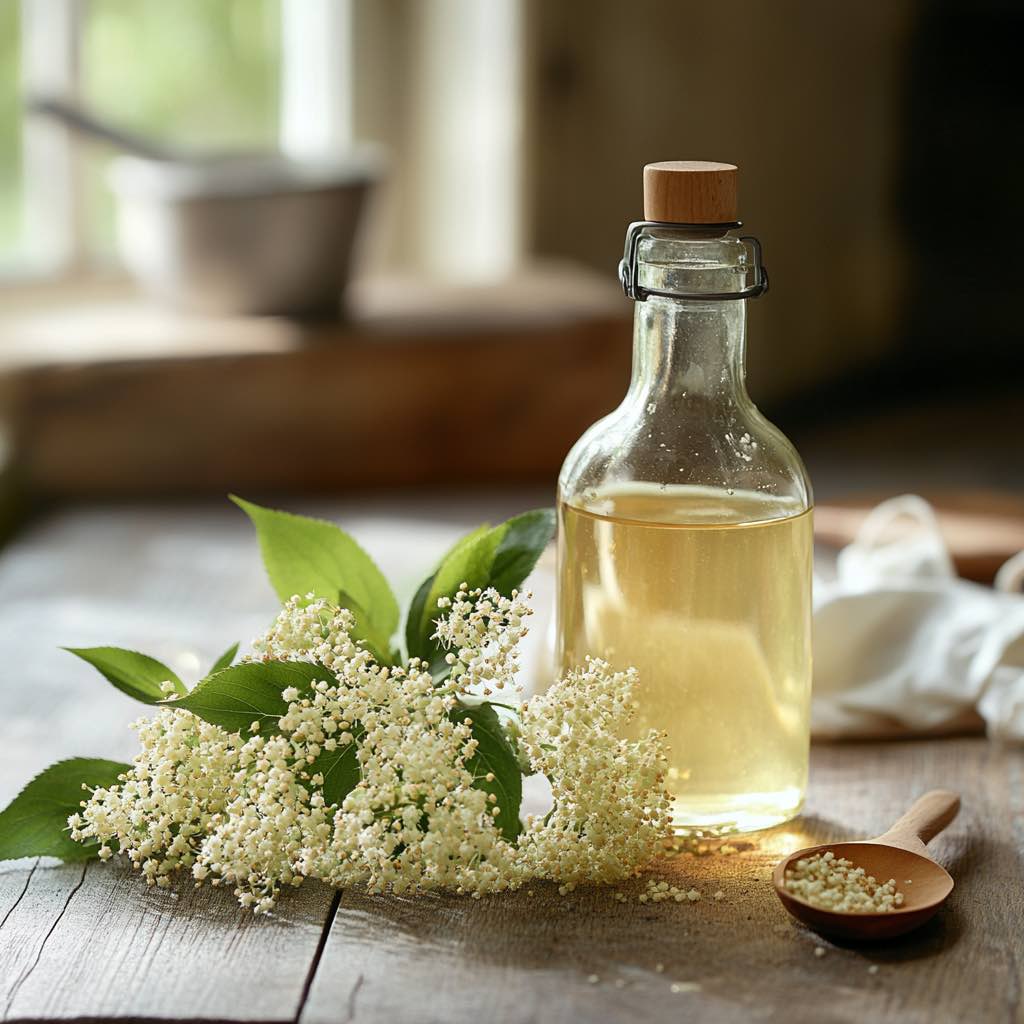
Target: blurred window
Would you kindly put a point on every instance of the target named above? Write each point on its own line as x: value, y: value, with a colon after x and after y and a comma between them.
x: 201, y: 73
x: 439, y: 84
x: 192, y: 72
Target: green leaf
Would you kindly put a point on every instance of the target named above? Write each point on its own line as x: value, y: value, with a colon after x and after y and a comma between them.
x: 500, y: 557
x: 305, y: 556
x: 377, y: 644
x: 35, y: 823
x: 415, y: 643
x: 224, y: 661
x: 136, y: 674
x: 524, y: 539
x: 468, y: 562
x: 495, y: 755
x: 423, y: 610
x: 236, y: 697
x: 340, y: 768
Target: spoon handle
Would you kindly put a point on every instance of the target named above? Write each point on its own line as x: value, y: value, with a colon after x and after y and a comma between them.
x: 929, y: 815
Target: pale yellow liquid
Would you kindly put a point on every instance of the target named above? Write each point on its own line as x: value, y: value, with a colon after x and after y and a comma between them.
x: 708, y: 595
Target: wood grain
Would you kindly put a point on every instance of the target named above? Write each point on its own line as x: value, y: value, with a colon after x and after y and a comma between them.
x: 690, y: 192
x: 95, y: 942
x: 535, y: 958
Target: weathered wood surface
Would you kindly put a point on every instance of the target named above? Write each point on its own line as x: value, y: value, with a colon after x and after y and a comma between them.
x: 95, y: 943
x: 741, y: 958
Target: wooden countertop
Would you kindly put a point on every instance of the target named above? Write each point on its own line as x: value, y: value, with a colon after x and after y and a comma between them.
x: 93, y: 943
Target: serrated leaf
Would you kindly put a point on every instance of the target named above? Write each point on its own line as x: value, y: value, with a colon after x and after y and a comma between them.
x: 236, y: 697
x: 468, y: 562
x: 35, y: 822
x: 135, y: 674
x: 377, y: 644
x: 340, y: 768
x: 524, y: 539
x: 419, y: 621
x: 494, y: 755
x: 304, y: 555
x: 500, y: 557
x: 224, y: 661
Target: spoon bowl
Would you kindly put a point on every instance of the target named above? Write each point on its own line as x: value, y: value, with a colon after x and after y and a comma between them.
x: 924, y: 884
x: 899, y: 854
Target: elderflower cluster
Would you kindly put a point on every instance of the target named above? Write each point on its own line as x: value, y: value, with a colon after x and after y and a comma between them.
x: 481, y: 632
x: 162, y: 810
x: 610, y: 807
x: 262, y: 809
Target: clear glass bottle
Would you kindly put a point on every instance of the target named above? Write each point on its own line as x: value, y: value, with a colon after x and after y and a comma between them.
x: 685, y: 539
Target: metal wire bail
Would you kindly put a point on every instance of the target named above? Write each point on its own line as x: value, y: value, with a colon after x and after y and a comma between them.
x: 628, y: 275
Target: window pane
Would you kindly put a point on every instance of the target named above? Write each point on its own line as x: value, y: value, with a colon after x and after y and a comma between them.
x: 195, y: 72
x: 10, y: 134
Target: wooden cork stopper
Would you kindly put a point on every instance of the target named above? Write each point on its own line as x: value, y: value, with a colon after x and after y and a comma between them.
x: 690, y: 192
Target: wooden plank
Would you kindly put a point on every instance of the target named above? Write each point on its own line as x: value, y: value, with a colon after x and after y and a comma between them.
x: 588, y: 958
x: 43, y: 897
x: 14, y: 879
x: 95, y: 942
x: 87, y: 323
x: 366, y: 412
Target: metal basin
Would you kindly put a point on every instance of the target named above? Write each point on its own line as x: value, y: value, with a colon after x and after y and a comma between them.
x: 247, y: 234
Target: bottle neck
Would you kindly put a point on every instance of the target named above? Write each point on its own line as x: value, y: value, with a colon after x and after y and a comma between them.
x: 689, y: 349
x: 690, y: 346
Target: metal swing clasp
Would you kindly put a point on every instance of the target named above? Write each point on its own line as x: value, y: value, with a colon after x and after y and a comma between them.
x: 628, y: 273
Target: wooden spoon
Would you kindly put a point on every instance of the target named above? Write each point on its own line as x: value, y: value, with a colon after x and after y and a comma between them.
x: 900, y: 854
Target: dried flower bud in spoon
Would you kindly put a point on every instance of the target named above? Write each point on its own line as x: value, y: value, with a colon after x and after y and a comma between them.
x: 847, y: 901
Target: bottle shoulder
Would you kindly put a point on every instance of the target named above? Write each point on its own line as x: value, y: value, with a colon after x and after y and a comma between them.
x: 724, y: 446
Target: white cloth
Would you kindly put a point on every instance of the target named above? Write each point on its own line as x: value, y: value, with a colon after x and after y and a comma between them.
x: 902, y: 645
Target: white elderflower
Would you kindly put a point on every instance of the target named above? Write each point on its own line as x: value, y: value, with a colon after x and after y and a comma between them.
x: 610, y: 808
x: 481, y: 630
x: 314, y: 630
x: 252, y: 810
x: 179, y: 784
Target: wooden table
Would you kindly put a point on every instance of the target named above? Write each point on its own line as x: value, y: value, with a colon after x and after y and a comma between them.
x: 93, y: 942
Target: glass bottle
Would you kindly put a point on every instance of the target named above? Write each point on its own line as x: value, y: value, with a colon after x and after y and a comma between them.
x: 685, y: 535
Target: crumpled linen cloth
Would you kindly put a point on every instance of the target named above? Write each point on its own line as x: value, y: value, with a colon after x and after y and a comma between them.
x: 903, y: 646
